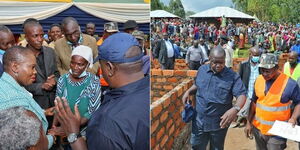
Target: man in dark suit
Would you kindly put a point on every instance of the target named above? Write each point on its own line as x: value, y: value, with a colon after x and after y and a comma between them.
x: 248, y: 71
x: 164, y: 51
x: 44, y: 87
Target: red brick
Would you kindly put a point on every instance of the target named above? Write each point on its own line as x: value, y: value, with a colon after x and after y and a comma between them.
x: 170, y: 122
x: 152, y: 79
x: 160, y: 133
x: 156, y: 110
x: 167, y: 102
x: 170, y: 143
x: 161, y: 93
x: 153, y: 142
x: 161, y: 79
x: 177, y: 132
x: 156, y: 72
x: 155, y: 86
x: 180, y: 91
x: 163, y: 141
x: 178, y: 122
x: 168, y: 72
x: 168, y: 87
x: 171, y: 131
x: 155, y: 98
x: 174, y: 96
x: 192, y: 73
x: 164, y: 116
x: 157, y: 147
x: 171, y: 108
x: 154, y: 126
x: 173, y: 79
x: 180, y: 72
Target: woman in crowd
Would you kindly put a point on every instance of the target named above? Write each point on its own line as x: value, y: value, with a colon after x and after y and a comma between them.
x: 79, y: 87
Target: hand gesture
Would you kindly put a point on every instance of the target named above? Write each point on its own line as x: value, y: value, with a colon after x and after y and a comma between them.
x: 69, y: 122
x: 228, y: 117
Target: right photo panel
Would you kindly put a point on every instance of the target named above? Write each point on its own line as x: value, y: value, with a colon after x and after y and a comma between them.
x: 225, y: 75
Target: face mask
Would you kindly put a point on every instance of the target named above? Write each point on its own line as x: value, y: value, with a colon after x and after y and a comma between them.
x: 2, y: 51
x: 255, y: 59
x: 293, y: 62
x: 83, y: 74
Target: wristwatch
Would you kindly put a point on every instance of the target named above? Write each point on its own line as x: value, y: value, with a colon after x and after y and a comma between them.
x: 73, y: 137
x: 237, y: 107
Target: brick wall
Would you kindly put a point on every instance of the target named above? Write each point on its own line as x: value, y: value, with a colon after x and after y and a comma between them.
x: 166, y: 123
x: 179, y: 64
x: 163, y: 81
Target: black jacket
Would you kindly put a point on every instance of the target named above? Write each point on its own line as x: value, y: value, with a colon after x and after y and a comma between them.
x: 244, y: 71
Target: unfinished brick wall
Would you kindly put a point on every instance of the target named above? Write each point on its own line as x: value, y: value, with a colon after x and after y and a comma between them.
x: 166, y: 122
x: 179, y: 64
x: 163, y: 81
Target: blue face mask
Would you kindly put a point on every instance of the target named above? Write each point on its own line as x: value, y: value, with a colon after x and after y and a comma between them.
x: 255, y: 59
x: 83, y: 74
x: 2, y: 51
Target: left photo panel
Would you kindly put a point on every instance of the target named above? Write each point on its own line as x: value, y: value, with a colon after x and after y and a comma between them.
x: 74, y: 74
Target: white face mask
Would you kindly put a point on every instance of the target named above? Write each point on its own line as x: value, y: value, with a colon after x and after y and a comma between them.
x: 83, y: 74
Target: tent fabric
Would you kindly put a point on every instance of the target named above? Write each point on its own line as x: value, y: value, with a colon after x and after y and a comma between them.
x: 64, y: 1
x: 220, y: 11
x: 117, y: 12
x: 82, y: 18
x: 17, y: 12
x: 162, y: 14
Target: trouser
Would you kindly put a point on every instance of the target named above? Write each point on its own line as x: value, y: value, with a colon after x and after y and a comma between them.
x: 169, y: 64
x: 194, y: 65
x: 245, y: 110
x: 268, y: 142
x: 200, y: 139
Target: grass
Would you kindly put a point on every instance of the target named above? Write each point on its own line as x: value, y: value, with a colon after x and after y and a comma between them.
x: 242, y: 53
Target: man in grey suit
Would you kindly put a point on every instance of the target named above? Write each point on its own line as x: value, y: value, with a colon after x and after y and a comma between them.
x: 44, y: 87
x: 164, y: 51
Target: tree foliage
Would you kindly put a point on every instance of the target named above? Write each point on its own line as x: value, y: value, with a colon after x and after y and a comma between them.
x: 175, y: 7
x: 157, y: 5
x: 271, y: 10
x: 189, y: 13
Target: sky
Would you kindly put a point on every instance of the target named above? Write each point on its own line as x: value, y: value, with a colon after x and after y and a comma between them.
x: 200, y: 5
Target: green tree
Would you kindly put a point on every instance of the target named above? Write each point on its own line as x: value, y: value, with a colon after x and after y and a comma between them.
x: 189, y: 13
x: 271, y: 10
x: 176, y: 7
x: 157, y: 5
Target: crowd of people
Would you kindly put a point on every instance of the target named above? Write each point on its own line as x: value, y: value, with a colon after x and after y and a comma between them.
x: 268, y: 36
x: 262, y: 92
x: 74, y: 90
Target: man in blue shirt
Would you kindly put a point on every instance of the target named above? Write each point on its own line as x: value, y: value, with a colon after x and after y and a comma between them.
x: 122, y: 120
x: 296, y: 48
x: 215, y: 86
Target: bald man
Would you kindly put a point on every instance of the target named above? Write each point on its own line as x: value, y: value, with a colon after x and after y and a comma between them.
x: 215, y: 86
x: 248, y: 71
x: 73, y: 38
x: 292, y: 67
x: 7, y: 40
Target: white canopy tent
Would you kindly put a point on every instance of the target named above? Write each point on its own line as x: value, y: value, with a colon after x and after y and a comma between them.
x: 221, y: 11
x: 162, y: 14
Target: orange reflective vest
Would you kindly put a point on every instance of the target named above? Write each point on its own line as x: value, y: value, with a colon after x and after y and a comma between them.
x: 102, y: 80
x: 268, y: 107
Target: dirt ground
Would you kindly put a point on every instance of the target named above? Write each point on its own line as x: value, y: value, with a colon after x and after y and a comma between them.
x: 236, y: 140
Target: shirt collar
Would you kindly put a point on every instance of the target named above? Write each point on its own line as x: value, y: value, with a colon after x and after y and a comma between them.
x: 127, y: 89
x: 79, y: 41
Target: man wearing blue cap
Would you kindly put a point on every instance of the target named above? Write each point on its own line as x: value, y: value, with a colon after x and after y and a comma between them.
x: 122, y: 120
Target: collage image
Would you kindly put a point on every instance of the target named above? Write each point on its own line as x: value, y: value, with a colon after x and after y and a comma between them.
x: 149, y: 75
